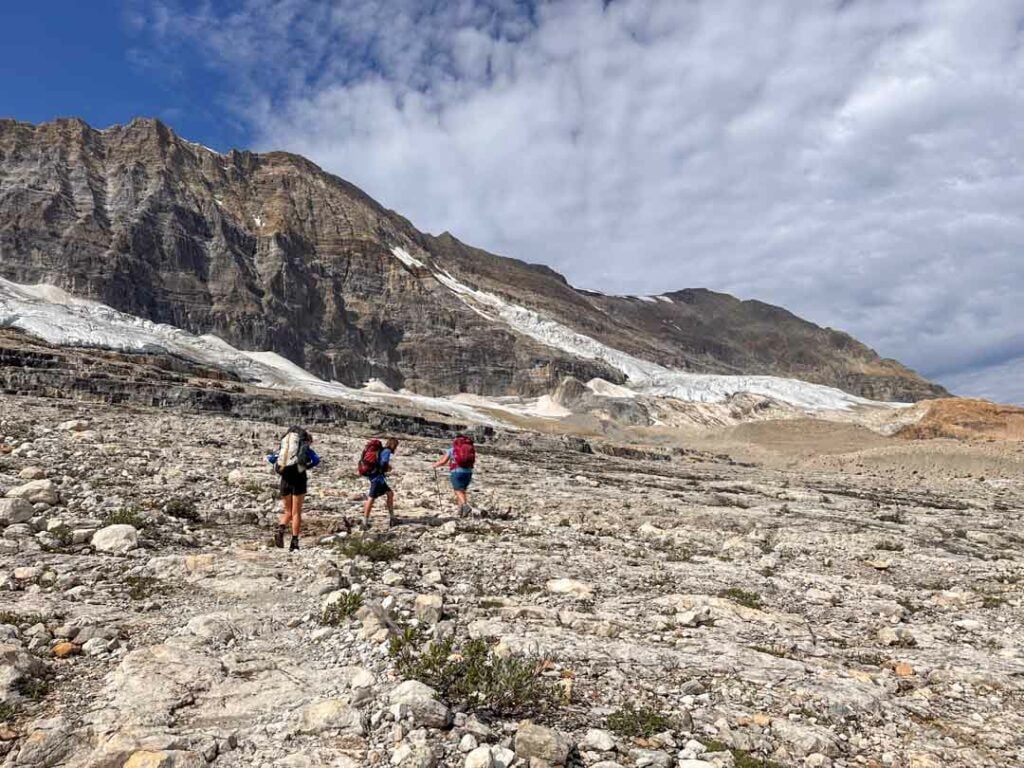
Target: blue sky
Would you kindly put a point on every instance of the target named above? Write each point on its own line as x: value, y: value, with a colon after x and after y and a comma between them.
x: 859, y: 162
x: 62, y: 58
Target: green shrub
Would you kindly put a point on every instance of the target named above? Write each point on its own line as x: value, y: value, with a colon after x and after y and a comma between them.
x: 374, y: 550
x: 183, y: 509
x: 125, y: 516
x: 473, y: 677
x: 338, y: 612
x: 741, y: 596
x: 638, y: 721
x: 142, y: 587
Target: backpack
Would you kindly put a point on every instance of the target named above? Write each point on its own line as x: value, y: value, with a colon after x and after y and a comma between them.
x: 463, y: 452
x: 294, y: 450
x: 369, y: 461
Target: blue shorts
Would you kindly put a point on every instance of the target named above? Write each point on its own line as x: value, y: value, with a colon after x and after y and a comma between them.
x: 460, y: 478
x: 378, y: 487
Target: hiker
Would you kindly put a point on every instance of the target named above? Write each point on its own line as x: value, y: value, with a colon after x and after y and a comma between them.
x: 374, y: 465
x: 460, y: 458
x: 292, y: 462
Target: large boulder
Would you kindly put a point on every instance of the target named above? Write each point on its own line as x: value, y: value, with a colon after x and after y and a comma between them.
x: 428, y: 608
x: 547, y: 744
x: 420, y: 701
x: 330, y: 716
x: 15, y: 511
x: 36, y: 492
x: 16, y: 665
x: 116, y: 539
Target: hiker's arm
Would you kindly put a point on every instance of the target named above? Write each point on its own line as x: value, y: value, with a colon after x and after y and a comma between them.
x: 314, y: 458
x: 441, y: 462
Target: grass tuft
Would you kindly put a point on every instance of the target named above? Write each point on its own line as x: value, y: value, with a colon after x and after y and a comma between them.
x: 638, y: 721
x: 742, y: 596
x: 340, y: 611
x: 125, y: 516
x: 374, y: 550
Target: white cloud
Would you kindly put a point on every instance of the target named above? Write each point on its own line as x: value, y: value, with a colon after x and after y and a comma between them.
x: 858, y: 162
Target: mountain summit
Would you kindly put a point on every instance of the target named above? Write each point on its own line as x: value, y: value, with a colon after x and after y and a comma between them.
x: 269, y: 252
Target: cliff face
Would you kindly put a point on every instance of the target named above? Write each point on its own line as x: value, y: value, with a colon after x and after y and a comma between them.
x: 270, y: 252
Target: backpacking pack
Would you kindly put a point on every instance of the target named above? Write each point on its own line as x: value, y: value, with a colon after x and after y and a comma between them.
x: 463, y: 453
x: 369, y: 461
x: 294, y: 450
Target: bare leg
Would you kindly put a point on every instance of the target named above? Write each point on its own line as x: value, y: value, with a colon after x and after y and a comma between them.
x: 286, y: 516
x: 367, y: 508
x: 389, y: 500
x: 460, y: 498
x: 297, y: 513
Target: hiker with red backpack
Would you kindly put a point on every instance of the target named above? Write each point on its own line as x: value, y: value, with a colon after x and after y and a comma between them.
x: 292, y: 460
x: 460, y: 458
x: 374, y: 465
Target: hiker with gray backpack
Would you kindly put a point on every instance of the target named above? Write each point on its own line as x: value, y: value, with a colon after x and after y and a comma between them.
x: 460, y: 458
x: 292, y: 461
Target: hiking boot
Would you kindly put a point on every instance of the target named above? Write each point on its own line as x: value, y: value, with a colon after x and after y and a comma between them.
x: 465, y: 510
x: 391, y: 521
x: 294, y: 546
x: 365, y: 524
x: 279, y: 537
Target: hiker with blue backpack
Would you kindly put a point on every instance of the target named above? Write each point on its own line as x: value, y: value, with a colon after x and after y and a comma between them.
x: 460, y: 459
x: 292, y: 461
x: 374, y: 465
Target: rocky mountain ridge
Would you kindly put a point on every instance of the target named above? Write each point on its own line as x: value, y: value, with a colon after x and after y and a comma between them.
x: 269, y: 252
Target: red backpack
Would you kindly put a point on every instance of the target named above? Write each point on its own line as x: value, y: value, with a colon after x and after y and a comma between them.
x: 369, y: 462
x: 463, y: 453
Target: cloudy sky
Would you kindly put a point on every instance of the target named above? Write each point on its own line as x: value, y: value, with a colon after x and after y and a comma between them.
x: 856, y: 161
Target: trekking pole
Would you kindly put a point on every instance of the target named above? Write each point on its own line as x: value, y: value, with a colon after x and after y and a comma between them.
x: 437, y: 490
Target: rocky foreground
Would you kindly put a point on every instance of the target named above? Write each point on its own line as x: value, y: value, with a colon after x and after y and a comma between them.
x: 602, y: 608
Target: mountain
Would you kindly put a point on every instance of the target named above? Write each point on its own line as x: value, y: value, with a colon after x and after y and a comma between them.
x: 270, y: 253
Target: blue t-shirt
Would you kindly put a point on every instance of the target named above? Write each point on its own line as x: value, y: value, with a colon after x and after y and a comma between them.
x: 458, y: 470
x: 383, y: 462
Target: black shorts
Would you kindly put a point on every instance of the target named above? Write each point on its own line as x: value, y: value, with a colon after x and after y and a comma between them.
x: 293, y: 482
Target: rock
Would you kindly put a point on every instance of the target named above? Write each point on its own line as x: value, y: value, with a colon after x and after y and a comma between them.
x: 599, y: 740
x: 428, y: 608
x: 47, y: 744
x: 116, y: 539
x: 36, y: 492
x: 95, y: 646
x: 214, y: 627
x: 413, y: 756
x: 968, y: 625
x: 391, y: 578
x: 74, y: 425
x: 165, y: 759
x: 690, y: 764
x: 645, y: 758
x: 803, y: 740
x: 896, y: 636
x: 537, y: 741
x: 421, y: 702
x: 503, y: 757
x: 479, y: 758
x: 903, y: 669
x: 330, y: 715
x: 32, y: 473
x: 468, y: 743
x: 14, y: 511
x: 695, y: 617
x: 65, y: 649
x: 578, y: 589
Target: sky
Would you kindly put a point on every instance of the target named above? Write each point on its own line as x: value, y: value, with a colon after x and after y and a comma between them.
x: 858, y: 162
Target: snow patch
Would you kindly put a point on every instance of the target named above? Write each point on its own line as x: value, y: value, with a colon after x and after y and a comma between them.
x: 406, y: 258
x: 647, y: 299
x: 650, y: 378
x: 604, y: 388
x: 665, y: 299
x: 55, y: 316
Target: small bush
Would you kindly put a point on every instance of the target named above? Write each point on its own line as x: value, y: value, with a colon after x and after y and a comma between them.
x: 742, y: 758
x: 21, y: 619
x: 374, y: 550
x: 33, y: 688
x: 741, y: 596
x: 125, y: 516
x: 63, y: 536
x: 7, y: 713
x: 474, y: 678
x: 338, y: 612
x: 253, y: 488
x: 183, y: 509
x: 638, y: 721
x: 142, y: 587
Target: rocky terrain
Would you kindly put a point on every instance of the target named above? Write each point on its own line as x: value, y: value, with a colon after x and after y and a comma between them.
x: 607, y: 604
x: 270, y: 253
